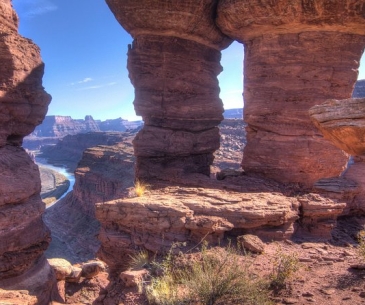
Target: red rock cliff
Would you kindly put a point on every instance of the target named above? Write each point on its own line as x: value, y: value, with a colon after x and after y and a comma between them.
x: 173, y: 64
x: 297, y: 54
x: 23, y: 105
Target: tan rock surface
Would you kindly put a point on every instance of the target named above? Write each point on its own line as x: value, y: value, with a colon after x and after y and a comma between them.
x: 251, y: 18
x: 343, y: 123
x: 19, y: 297
x: 297, y: 54
x: 190, y: 20
x: 187, y: 214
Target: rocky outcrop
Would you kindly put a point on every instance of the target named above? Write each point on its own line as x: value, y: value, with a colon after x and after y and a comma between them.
x: 184, y: 215
x: 297, y: 54
x: 343, y: 123
x: 173, y: 64
x: 359, y: 90
x: 23, y: 105
x: 68, y: 151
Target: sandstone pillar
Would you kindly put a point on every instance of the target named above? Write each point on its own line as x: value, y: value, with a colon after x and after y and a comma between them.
x: 173, y: 64
x: 297, y: 54
x: 23, y: 105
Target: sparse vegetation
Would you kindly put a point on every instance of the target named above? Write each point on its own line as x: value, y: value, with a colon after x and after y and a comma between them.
x: 139, y: 260
x: 213, y: 277
x: 361, y: 247
x: 284, y: 266
x: 140, y: 188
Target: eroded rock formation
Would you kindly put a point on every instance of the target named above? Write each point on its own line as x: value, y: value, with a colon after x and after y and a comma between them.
x: 343, y: 123
x: 297, y: 54
x: 173, y: 64
x: 23, y: 105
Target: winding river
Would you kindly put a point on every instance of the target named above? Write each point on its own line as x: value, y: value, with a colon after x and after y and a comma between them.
x: 61, y: 170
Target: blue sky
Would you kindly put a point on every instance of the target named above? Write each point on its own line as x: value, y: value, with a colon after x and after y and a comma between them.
x: 84, y: 49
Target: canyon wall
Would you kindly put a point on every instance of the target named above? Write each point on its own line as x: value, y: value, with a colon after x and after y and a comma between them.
x: 68, y: 151
x: 173, y: 64
x: 297, y: 54
x: 23, y: 105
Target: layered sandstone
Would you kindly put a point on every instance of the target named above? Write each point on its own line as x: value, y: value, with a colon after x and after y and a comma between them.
x: 343, y: 123
x: 297, y: 54
x: 200, y: 208
x: 23, y: 105
x: 173, y: 64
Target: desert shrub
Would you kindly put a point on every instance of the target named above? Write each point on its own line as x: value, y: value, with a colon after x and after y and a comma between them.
x: 139, y: 260
x: 284, y: 267
x: 361, y: 246
x: 212, y: 278
x: 140, y: 188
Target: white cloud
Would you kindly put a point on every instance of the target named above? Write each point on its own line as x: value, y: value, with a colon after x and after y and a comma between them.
x: 85, y: 80
x: 99, y: 86
x: 33, y: 8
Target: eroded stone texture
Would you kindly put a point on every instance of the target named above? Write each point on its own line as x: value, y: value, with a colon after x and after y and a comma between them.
x: 297, y: 54
x: 343, y: 123
x: 188, y: 215
x: 173, y: 64
x: 23, y: 105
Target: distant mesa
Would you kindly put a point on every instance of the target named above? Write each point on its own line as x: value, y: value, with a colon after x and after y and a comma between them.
x: 55, y: 127
x: 60, y: 126
x: 236, y: 113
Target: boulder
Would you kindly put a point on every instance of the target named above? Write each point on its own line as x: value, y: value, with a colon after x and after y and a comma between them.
x: 251, y: 243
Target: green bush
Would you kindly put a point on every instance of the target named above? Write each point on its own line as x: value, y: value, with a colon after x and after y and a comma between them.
x: 284, y: 266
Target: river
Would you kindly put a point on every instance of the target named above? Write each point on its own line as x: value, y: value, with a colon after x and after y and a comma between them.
x: 61, y: 170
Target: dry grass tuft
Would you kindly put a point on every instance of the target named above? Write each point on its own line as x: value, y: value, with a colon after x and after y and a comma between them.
x: 140, y: 188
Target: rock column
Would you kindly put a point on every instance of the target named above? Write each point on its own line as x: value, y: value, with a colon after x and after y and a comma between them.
x: 173, y: 64
x: 23, y: 105
x: 297, y: 54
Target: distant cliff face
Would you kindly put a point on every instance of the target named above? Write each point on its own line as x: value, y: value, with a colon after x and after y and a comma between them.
x: 57, y: 126
x: 60, y: 126
x: 359, y: 90
x: 68, y: 151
